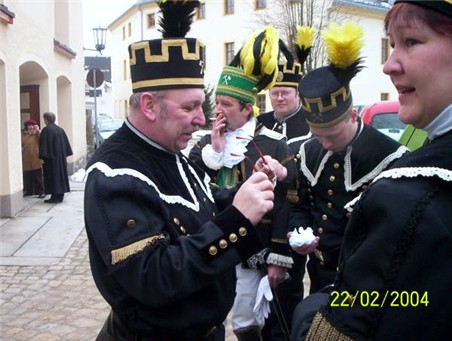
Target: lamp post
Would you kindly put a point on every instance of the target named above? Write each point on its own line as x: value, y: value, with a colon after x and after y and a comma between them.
x: 100, y: 37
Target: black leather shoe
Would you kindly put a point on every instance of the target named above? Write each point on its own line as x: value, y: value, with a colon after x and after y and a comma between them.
x: 52, y: 201
x: 41, y: 196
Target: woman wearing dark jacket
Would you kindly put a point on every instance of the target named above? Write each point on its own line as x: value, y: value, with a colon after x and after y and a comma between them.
x: 394, y: 279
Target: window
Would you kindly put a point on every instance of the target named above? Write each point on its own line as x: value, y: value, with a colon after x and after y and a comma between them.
x: 130, y: 29
x: 229, y: 52
x: 384, y: 96
x: 124, y: 69
x: 151, y: 20
x: 384, y: 50
x: 261, y: 4
x: 228, y: 6
x: 123, y: 33
x: 260, y: 102
x: 201, y: 11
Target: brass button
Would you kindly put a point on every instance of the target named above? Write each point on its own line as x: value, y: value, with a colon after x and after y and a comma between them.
x: 233, y: 237
x: 183, y: 229
x: 176, y: 221
x: 332, y: 178
x: 243, y: 231
x: 311, y: 197
x: 131, y: 223
x: 324, y: 217
x: 223, y: 244
x: 322, y: 264
x: 348, y: 214
x: 213, y: 250
x: 204, y: 199
x: 309, y: 189
x: 330, y: 192
x: 329, y: 205
x: 320, y: 230
x: 365, y: 186
x: 336, y: 165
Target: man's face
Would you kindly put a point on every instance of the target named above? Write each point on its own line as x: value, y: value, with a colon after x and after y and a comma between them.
x: 230, y: 107
x: 178, y: 115
x: 337, y: 137
x: 284, y: 100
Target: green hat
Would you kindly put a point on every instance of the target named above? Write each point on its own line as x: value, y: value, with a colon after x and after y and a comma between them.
x: 234, y: 83
x: 441, y: 6
x: 325, y: 93
x: 253, y: 68
x: 174, y: 61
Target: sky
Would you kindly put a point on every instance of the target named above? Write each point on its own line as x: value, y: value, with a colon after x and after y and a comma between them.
x: 101, y: 13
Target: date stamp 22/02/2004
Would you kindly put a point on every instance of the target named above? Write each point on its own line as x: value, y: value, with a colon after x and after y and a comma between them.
x: 377, y: 299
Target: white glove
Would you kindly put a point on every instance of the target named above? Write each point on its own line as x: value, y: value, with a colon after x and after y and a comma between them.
x: 301, y: 237
x: 263, y: 297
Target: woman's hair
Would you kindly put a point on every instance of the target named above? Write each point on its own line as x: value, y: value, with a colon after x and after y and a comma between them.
x: 49, y: 117
x: 405, y: 12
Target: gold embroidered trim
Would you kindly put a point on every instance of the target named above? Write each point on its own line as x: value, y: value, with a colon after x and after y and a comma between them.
x: 125, y: 252
x: 321, y: 329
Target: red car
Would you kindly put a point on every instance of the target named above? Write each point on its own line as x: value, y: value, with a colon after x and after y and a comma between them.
x: 383, y: 116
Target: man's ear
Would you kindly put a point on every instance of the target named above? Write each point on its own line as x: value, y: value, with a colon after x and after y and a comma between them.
x: 248, y: 110
x: 148, y: 103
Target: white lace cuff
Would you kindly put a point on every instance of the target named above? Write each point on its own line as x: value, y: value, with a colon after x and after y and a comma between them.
x: 211, y: 158
x: 280, y: 260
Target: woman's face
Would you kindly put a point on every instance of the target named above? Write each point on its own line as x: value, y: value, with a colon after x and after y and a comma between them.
x: 420, y: 67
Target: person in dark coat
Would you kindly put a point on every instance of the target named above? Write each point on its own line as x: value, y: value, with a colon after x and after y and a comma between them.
x: 163, y: 244
x: 287, y: 118
x: 394, y: 279
x: 54, y: 148
x: 340, y: 161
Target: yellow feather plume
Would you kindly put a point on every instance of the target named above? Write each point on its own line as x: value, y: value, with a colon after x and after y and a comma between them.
x: 343, y: 43
x: 305, y: 36
x: 259, y: 56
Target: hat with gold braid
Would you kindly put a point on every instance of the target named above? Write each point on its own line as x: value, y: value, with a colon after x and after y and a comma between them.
x: 289, y: 71
x: 254, y: 67
x: 171, y: 62
x: 325, y: 92
x: 441, y: 6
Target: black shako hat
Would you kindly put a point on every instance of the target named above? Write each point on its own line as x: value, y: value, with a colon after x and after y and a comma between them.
x: 174, y: 61
x: 291, y: 71
x: 441, y: 6
x: 325, y: 93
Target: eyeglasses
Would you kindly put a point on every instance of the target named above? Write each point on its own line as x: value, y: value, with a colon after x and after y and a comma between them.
x: 283, y: 94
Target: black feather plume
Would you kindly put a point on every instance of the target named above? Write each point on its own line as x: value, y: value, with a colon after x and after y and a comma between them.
x: 177, y: 17
x: 285, y: 51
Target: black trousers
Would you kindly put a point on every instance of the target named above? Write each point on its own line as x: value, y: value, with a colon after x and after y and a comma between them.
x: 33, y: 182
x: 114, y: 330
x: 321, y: 275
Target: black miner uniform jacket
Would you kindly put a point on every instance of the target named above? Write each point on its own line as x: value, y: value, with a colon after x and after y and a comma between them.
x: 330, y: 180
x: 293, y: 126
x: 395, y: 263
x: 161, y: 254
x: 273, y: 227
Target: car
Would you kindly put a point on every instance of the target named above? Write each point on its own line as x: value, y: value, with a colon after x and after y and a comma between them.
x: 383, y: 116
x: 108, y: 127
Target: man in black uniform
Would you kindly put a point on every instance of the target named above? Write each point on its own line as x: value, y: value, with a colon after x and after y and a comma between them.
x: 338, y: 164
x: 163, y: 252
x: 288, y: 119
x: 228, y: 156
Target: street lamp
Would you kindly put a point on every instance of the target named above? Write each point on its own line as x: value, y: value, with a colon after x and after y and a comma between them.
x: 100, y: 38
